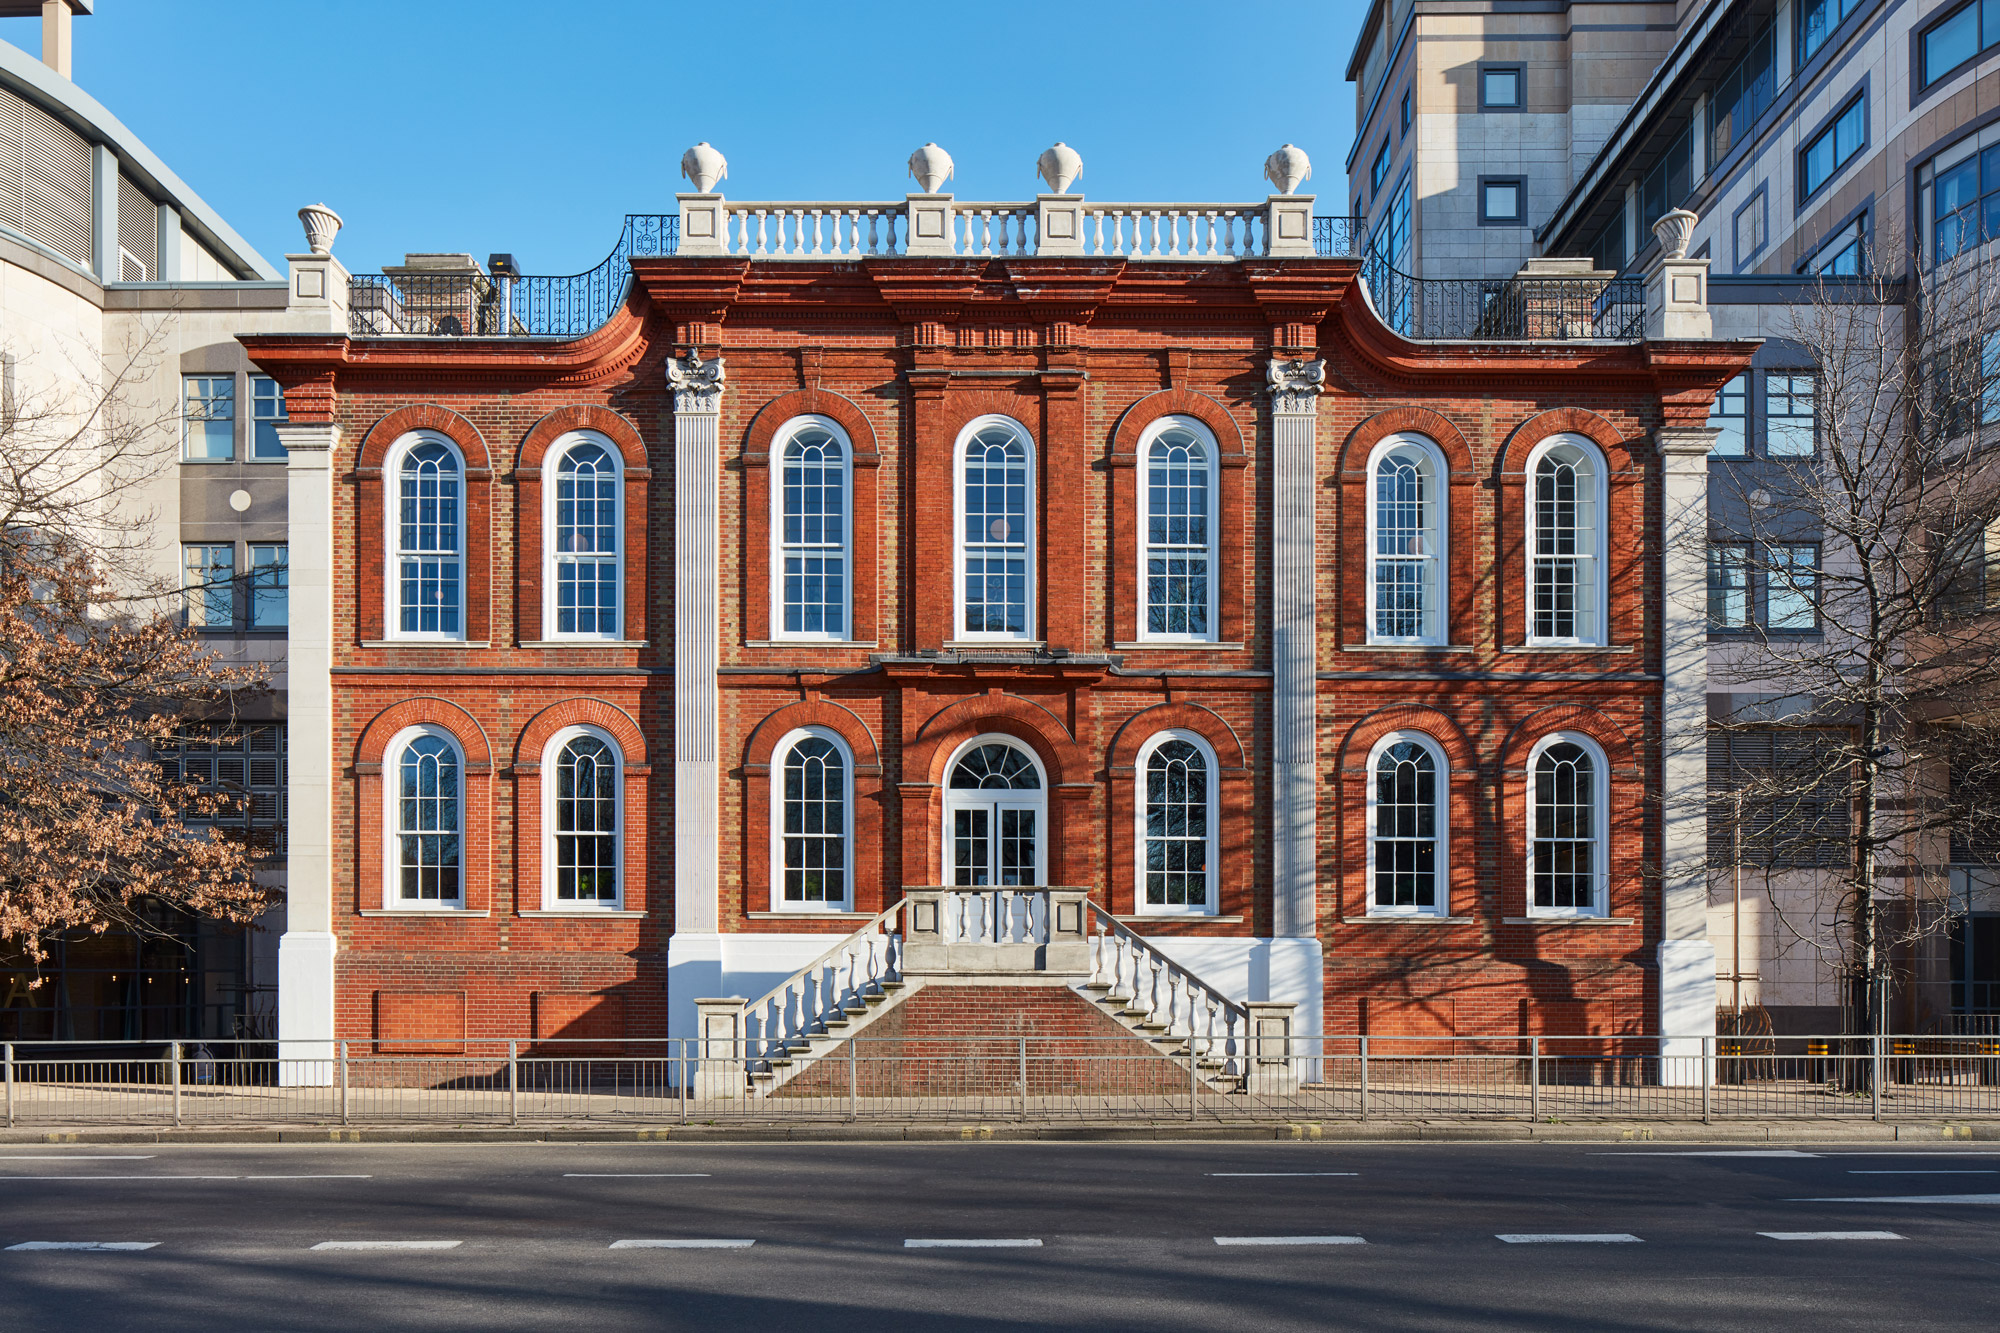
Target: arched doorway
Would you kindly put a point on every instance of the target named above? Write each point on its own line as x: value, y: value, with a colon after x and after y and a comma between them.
x: 995, y: 815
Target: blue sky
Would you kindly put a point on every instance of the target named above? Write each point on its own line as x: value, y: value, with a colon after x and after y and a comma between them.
x: 534, y: 127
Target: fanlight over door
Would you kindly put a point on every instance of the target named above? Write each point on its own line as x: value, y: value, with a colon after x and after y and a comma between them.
x: 995, y: 818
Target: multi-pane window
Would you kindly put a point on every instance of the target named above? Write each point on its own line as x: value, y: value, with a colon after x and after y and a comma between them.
x: 208, y: 580
x: 1957, y: 38
x: 1379, y: 172
x: 1177, y: 861
x: 1789, y: 419
x: 267, y: 413
x: 428, y: 554
x: 428, y: 827
x: 813, y: 533
x: 1742, y: 95
x: 1815, y: 20
x: 1179, y: 528
x: 1404, y: 840
x: 995, y: 536
x: 1564, y: 554
x: 585, y: 555
x: 1833, y: 147
x: 1791, y: 586
x: 208, y: 418
x: 1778, y: 796
x: 1404, y: 551
x: 1730, y: 414
x: 585, y: 823
x: 269, y: 586
x: 242, y: 761
x: 1729, y: 604
x: 1965, y: 204
x: 1564, y: 855
x: 813, y: 838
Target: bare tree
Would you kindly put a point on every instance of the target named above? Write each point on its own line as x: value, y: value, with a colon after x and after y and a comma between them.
x: 1849, y: 573
x: 97, y: 670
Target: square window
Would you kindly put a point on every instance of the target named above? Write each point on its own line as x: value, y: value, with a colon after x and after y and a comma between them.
x: 1503, y: 200
x: 208, y: 418
x: 208, y: 578
x: 1500, y: 87
x: 268, y: 586
x: 267, y: 409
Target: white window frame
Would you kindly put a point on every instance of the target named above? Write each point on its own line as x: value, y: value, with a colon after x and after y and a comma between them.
x: 1210, y: 905
x: 1441, y: 905
x: 779, y: 757
x: 1595, y: 458
x: 787, y: 433
x: 1600, y: 772
x: 1439, y: 578
x: 392, y: 832
x: 1040, y: 800
x: 1212, y: 553
x: 551, y: 475
x: 392, y: 541
x: 551, y: 753
x: 1031, y: 626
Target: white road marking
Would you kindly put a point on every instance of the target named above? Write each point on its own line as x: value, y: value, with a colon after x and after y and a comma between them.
x: 1245, y: 1175
x: 635, y: 1175
x: 1909, y: 1198
x: 105, y: 1246
x: 1831, y: 1235
x: 1291, y: 1240
x: 1578, y: 1238
x: 3, y: 1176
x: 1744, y: 1152
x: 84, y: 1157
x: 388, y: 1245
x: 1987, y: 1172
x: 305, y: 1177
x: 972, y: 1245
x: 682, y: 1244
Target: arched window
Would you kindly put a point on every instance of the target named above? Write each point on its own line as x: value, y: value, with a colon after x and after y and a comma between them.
x: 810, y: 531
x: 813, y: 822
x: 582, y: 821
x: 1406, y: 542
x: 995, y: 816
x: 1177, y: 532
x: 1408, y: 828
x: 1565, y: 545
x: 426, y: 820
x: 1566, y: 793
x: 427, y: 540
x: 1177, y: 824
x: 996, y: 540
x: 585, y: 522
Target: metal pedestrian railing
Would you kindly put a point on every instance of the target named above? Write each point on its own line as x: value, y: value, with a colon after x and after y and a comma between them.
x: 1011, y: 1075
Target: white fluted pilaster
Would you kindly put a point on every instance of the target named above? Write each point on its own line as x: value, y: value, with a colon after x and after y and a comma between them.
x: 1295, y: 387
x: 697, y: 386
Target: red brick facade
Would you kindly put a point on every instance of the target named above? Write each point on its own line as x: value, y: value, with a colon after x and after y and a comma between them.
x: 1085, y: 354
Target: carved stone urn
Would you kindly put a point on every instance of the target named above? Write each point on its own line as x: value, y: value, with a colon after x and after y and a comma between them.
x: 931, y: 165
x: 322, y: 225
x: 1059, y: 167
x: 704, y: 166
x: 1675, y: 230
x: 1288, y: 169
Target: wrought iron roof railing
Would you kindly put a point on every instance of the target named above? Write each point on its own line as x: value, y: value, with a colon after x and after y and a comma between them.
x: 1512, y: 309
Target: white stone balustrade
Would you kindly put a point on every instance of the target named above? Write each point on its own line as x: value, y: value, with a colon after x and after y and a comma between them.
x: 818, y: 999
x: 1162, y: 996
x: 814, y: 230
x: 1174, y: 231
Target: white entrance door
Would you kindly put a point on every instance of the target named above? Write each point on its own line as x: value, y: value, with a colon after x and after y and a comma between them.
x: 995, y: 818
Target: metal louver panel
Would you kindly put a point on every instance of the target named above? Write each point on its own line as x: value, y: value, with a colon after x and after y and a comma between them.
x: 138, y: 231
x: 11, y: 183
x: 45, y: 194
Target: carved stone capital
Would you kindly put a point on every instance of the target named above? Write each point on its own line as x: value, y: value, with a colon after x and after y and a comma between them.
x: 1295, y: 384
x: 697, y: 384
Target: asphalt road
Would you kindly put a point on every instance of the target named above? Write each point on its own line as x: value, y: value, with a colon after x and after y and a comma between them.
x: 1170, y: 1236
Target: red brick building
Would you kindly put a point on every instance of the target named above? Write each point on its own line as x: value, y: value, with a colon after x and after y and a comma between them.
x: 661, y: 657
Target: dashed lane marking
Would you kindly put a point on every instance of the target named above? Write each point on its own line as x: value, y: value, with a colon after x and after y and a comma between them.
x: 1569, y: 1238
x: 81, y: 1157
x: 1291, y: 1240
x: 1988, y: 1172
x: 77, y: 1177
x: 635, y: 1175
x: 99, y: 1246
x: 1733, y: 1152
x: 682, y: 1244
x: 1830, y: 1235
x: 388, y: 1245
x: 934, y: 1244
x: 1909, y: 1198
x: 1246, y: 1175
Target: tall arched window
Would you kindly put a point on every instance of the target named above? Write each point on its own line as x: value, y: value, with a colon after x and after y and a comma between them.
x: 426, y: 820
x: 1566, y: 853
x: 812, y: 823
x: 427, y: 540
x: 1177, y: 824
x: 585, y: 522
x: 1408, y: 828
x: 582, y: 821
x: 1406, y: 542
x: 810, y: 531
x: 1566, y: 544
x: 996, y: 538
x: 1177, y: 534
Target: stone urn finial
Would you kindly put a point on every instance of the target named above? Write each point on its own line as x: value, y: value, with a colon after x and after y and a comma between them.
x: 932, y: 167
x: 322, y: 225
x: 1288, y: 169
x: 1059, y: 167
x: 704, y: 166
x: 1675, y: 230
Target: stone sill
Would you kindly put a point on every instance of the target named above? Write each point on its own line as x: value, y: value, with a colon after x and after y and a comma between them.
x: 1564, y: 648
x: 1406, y: 648
x: 811, y: 643
x: 1156, y: 918
x: 427, y: 913
x: 581, y: 913
x: 582, y: 643
x: 1567, y: 920
x: 1409, y: 919
x: 1176, y: 646
x: 994, y: 645
x: 424, y: 643
x: 810, y: 916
